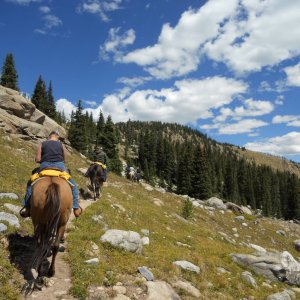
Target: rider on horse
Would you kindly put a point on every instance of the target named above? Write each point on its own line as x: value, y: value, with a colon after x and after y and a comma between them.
x: 51, y: 154
x: 100, y: 157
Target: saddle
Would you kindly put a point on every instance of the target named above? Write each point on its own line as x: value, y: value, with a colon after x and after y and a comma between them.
x: 103, y: 166
x: 52, y: 172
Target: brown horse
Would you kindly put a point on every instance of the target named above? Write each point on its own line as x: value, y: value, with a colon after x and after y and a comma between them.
x: 50, y: 208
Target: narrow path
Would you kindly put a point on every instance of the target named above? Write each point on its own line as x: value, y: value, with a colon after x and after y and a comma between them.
x: 60, y: 284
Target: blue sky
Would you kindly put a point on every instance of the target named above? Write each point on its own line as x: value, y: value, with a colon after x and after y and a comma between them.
x: 229, y: 68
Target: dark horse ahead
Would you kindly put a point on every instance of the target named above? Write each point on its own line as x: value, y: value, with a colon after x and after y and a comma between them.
x: 95, y: 173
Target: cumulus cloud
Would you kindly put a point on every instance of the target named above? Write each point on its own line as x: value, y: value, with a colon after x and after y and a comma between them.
x: 116, y: 43
x: 100, y: 8
x: 187, y: 101
x: 23, y: 2
x: 134, y: 81
x: 65, y: 106
x: 288, y: 144
x: 242, y: 34
x: 289, y: 120
x: 52, y: 21
x: 293, y: 75
x: 44, y: 9
x: 251, y: 108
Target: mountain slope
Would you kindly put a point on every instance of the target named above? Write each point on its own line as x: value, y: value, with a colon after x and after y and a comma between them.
x: 128, y: 206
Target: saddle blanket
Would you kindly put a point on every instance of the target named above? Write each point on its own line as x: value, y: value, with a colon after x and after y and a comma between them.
x: 51, y: 173
x: 101, y: 164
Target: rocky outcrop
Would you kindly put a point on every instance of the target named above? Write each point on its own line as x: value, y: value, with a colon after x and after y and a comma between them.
x: 216, y: 202
x: 19, y: 116
x: 274, y: 266
x: 127, y: 240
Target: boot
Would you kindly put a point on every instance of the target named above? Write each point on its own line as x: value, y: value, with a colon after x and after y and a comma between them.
x: 77, y: 211
x: 25, y: 212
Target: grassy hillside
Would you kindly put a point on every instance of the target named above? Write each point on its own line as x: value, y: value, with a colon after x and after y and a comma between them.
x: 203, y: 234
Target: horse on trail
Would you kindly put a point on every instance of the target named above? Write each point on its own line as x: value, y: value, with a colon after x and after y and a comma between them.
x: 130, y: 175
x: 50, y: 208
x: 95, y: 173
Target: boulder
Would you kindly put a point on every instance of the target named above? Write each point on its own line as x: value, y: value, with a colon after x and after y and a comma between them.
x: 19, y: 115
x: 272, y: 265
x: 160, y: 290
x: 186, y: 265
x: 13, y: 208
x: 297, y: 245
x: 146, y: 273
x: 234, y: 207
x: 187, y: 287
x: 216, y: 202
x: 246, y: 210
x: 285, y: 295
x: 247, y: 276
x: 93, y: 261
x: 10, y: 218
x: 258, y: 248
x: 9, y: 196
x: 145, y: 232
x: 3, y: 227
x: 127, y: 240
x: 145, y: 241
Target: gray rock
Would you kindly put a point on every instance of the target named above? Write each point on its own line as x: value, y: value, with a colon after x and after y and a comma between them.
x: 297, y: 245
x: 160, y: 290
x: 246, y: 210
x: 93, y: 261
x: 234, y: 208
x: 222, y: 270
x: 10, y: 218
x: 188, y: 287
x: 119, y: 289
x: 3, y: 227
x: 186, y: 265
x: 216, y: 202
x: 145, y: 241
x: 13, y: 208
x: 145, y: 272
x: 247, y: 276
x: 258, y: 248
x: 285, y: 295
x: 274, y: 266
x: 240, y: 218
x: 127, y: 240
x: 9, y: 196
x: 145, y: 232
x: 281, y: 232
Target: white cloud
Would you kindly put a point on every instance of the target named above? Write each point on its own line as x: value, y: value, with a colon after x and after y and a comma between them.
x: 65, y: 106
x: 134, y: 81
x: 187, y: 101
x: 52, y: 21
x: 44, y: 9
x: 293, y: 75
x: 240, y: 33
x: 251, y: 108
x: 100, y: 8
x: 288, y: 144
x: 23, y: 2
x: 116, y: 43
x: 40, y: 31
x: 239, y: 127
x: 289, y: 120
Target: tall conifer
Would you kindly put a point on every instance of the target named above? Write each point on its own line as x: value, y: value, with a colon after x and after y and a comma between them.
x: 9, y: 77
x: 39, y: 97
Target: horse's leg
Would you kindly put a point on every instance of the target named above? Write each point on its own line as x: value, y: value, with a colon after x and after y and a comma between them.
x: 97, y: 188
x: 93, y: 187
x: 59, y: 236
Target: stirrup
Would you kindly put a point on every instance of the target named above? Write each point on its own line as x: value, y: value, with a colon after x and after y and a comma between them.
x: 25, y: 212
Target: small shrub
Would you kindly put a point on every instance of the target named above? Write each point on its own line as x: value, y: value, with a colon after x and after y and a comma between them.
x: 187, y: 209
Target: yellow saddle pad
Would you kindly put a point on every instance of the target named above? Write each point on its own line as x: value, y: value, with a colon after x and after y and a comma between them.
x: 101, y: 164
x: 51, y: 173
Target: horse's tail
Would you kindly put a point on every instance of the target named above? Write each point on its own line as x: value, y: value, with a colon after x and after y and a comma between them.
x: 45, y: 233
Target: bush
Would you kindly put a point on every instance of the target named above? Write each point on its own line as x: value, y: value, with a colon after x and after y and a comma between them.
x: 187, y: 209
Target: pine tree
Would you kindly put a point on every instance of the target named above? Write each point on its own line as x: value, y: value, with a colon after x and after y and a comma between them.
x: 9, y: 77
x: 100, y: 129
x: 50, y: 109
x: 201, y: 182
x: 77, y: 134
x: 39, y: 97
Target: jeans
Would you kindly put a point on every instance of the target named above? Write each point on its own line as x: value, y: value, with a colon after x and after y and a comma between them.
x: 61, y: 166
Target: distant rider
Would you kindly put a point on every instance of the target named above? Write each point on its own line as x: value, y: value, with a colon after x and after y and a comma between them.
x: 51, y: 153
x: 101, y: 156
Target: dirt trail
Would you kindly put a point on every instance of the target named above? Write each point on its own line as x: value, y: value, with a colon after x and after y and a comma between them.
x: 60, y: 284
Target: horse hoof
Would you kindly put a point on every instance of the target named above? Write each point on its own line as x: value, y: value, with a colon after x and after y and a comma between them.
x: 50, y: 273
x: 39, y: 283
